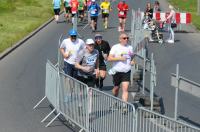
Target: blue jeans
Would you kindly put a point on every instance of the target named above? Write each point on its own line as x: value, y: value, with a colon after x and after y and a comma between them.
x: 70, y: 70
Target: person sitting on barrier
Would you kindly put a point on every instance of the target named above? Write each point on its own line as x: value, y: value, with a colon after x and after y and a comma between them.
x: 172, y: 19
x: 104, y: 48
x: 69, y: 49
x: 121, y: 55
x: 87, y: 63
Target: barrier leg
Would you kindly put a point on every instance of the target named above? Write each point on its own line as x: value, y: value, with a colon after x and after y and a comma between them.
x: 48, y: 115
x: 80, y: 130
x: 53, y: 120
x: 39, y: 102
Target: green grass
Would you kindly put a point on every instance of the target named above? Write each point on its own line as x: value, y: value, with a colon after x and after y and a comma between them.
x: 20, y: 17
x: 188, y: 6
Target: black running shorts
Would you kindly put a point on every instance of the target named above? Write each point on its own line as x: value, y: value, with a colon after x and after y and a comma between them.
x: 121, y: 77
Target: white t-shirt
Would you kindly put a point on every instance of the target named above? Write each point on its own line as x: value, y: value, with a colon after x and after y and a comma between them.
x: 120, y: 50
x: 73, y: 48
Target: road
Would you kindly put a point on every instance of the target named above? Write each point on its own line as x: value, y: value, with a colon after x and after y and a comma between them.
x: 22, y: 74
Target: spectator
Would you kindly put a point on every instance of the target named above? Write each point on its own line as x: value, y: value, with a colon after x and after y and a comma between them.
x: 172, y: 19
x: 87, y: 64
x: 156, y: 7
x: 149, y: 11
x: 69, y: 48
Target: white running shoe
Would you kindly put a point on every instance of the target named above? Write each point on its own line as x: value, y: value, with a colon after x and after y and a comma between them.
x: 170, y: 41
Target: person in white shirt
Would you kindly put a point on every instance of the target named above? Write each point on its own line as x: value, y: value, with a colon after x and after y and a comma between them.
x: 171, y: 18
x: 121, y: 55
x: 70, y: 48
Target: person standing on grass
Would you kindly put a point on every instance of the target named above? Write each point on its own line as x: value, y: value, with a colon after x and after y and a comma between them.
x: 56, y: 7
x: 121, y: 55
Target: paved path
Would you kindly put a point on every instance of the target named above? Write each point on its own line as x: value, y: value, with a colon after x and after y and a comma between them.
x: 22, y: 75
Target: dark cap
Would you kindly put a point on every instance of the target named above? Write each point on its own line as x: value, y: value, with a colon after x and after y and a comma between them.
x: 98, y: 36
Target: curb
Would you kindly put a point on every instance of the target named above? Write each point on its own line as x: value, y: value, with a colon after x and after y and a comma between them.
x: 13, y: 47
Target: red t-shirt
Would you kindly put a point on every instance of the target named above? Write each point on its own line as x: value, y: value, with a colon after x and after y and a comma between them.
x: 122, y: 9
x: 74, y: 6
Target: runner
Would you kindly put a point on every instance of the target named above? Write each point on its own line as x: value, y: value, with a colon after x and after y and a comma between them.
x: 56, y: 7
x: 81, y: 8
x: 69, y: 48
x: 87, y: 64
x: 121, y: 55
x: 104, y: 48
x: 67, y: 10
x: 122, y: 14
x: 106, y: 8
x: 94, y: 12
x: 74, y: 8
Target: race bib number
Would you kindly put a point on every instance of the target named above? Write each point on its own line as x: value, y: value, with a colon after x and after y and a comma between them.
x: 73, y: 12
x: 121, y: 12
x: 93, y: 11
x: 105, y: 11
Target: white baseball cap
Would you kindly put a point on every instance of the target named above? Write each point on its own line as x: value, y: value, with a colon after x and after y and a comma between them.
x: 89, y: 41
x: 93, y: 0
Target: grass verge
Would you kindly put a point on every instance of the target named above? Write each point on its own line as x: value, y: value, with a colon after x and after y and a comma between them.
x: 20, y: 17
x: 188, y: 6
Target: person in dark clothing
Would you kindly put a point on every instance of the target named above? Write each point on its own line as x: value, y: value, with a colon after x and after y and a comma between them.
x: 104, y: 48
x: 149, y: 11
x: 156, y: 7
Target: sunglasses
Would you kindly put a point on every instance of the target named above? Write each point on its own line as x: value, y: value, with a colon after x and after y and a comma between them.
x: 124, y: 38
x: 73, y: 36
x: 98, y: 37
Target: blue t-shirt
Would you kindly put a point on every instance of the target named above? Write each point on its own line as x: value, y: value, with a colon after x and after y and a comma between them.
x: 94, y: 9
x: 56, y: 4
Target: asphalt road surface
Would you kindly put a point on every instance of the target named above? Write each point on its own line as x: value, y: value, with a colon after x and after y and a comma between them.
x: 22, y: 74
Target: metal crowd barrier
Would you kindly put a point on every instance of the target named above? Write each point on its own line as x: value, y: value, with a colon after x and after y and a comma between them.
x: 95, y: 111
x: 88, y: 108
x: 110, y: 114
x: 184, y: 84
x: 51, y: 92
x: 149, y: 121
